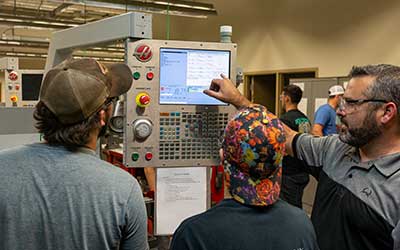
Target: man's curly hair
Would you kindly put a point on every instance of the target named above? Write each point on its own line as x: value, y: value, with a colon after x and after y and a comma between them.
x: 71, y: 136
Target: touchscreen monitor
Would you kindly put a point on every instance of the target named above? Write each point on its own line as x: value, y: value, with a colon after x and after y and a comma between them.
x: 185, y: 73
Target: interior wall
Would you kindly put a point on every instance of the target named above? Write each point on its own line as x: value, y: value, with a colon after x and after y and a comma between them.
x: 332, y: 35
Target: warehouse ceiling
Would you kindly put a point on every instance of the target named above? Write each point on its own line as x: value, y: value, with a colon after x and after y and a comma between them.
x: 26, y: 25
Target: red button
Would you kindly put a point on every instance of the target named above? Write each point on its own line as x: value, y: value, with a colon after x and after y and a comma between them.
x: 144, y: 99
x: 149, y: 75
x: 14, y: 98
x: 17, y: 87
x: 148, y: 156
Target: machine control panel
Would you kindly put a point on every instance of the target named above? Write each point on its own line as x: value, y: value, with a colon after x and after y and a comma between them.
x: 169, y: 121
x: 20, y: 88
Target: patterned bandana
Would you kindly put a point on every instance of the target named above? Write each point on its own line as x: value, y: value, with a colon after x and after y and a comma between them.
x: 253, y: 146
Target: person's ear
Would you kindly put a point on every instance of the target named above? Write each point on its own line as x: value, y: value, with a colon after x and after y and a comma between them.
x: 389, y: 112
x: 102, y: 114
x: 286, y: 99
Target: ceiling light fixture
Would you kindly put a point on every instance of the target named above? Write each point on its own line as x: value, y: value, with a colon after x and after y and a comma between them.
x: 43, y: 44
x: 175, y: 7
x: 43, y: 56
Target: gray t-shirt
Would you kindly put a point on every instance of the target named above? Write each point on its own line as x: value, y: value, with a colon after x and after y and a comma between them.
x: 52, y: 198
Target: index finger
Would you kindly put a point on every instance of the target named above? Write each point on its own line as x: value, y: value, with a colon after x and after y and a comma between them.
x: 216, y: 81
x: 223, y: 76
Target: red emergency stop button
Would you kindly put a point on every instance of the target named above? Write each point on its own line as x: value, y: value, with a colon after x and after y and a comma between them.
x: 148, y: 156
x: 150, y: 76
x: 143, y: 99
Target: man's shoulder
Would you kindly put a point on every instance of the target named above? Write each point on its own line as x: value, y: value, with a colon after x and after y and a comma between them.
x: 326, y: 108
x: 299, y: 116
x: 285, y: 115
x: 191, y: 226
x: 84, y: 162
x: 292, y: 218
x: 289, y: 210
x: 323, y: 107
x: 19, y: 151
x: 196, y: 220
x: 323, y: 114
x: 212, y: 215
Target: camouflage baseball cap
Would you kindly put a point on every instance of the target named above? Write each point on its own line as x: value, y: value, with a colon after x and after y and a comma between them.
x: 77, y: 88
x: 253, y: 148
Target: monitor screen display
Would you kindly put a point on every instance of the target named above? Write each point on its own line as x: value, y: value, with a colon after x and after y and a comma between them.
x: 185, y: 73
x: 31, y: 86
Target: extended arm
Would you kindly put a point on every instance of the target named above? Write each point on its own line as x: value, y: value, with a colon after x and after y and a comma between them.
x: 224, y: 90
x: 317, y: 130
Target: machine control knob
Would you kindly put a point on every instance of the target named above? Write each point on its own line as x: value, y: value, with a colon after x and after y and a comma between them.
x: 142, y: 100
x: 142, y: 128
x: 14, y: 98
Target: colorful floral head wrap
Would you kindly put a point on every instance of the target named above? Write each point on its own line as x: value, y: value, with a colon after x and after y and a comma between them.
x: 253, y: 148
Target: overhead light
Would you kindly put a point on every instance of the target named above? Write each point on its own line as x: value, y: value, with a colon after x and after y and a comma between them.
x: 9, y: 42
x: 187, y: 4
x: 54, y: 23
x: 36, y: 55
x: 44, y: 44
x: 161, y: 2
x: 21, y: 54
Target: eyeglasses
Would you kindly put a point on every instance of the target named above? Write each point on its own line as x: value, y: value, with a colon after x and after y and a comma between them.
x: 349, y: 104
x: 111, y: 100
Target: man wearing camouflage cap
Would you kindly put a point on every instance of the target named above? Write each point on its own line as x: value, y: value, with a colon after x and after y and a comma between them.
x: 58, y: 194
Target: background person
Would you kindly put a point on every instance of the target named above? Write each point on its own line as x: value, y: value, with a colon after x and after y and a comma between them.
x: 294, y: 176
x: 325, y: 116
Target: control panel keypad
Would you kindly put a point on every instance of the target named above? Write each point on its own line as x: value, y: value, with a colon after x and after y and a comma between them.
x: 169, y: 150
x: 191, y: 135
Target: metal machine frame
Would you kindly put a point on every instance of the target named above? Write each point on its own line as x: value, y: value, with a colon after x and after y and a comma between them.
x: 130, y: 26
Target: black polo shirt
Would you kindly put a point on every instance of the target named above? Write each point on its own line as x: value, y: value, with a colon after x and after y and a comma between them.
x: 231, y: 225
x: 357, y: 204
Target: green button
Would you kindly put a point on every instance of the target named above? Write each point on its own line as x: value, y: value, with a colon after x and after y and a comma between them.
x: 135, y: 156
x: 136, y: 75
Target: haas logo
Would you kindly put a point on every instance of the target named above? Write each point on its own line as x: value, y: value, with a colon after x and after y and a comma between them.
x: 143, y: 53
x: 13, y: 76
